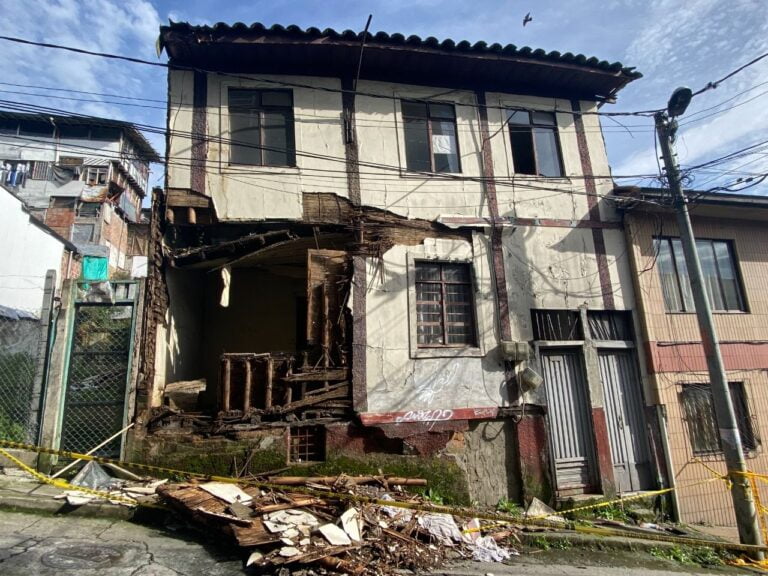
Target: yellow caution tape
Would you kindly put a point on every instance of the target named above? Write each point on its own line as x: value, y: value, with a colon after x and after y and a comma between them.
x: 58, y: 483
x: 539, y: 520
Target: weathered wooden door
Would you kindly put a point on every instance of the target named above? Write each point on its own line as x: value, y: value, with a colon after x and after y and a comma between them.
x: 625, y: 419
x: 570, y: 419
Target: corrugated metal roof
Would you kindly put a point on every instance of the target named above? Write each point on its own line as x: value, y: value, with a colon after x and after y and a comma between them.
x: 447, y: 45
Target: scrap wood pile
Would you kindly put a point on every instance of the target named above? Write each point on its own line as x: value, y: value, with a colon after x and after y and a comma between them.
x: 334, y: 527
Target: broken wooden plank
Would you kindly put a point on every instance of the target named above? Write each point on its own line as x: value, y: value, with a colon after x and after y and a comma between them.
x: 331, y: 375
x: 254, y: 535
x: 297, y: 503
x: 223, y: 517
x: 299, y: 480
x: 312, y: 400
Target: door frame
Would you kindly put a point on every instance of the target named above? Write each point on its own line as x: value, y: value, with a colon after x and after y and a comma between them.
x: 75, y: 303
x: 541, y: 347
x: 630, y: 347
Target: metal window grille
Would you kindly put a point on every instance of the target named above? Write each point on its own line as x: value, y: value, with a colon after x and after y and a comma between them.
x: 444, y: 305
x: 307, y: 444
x: 558, y: 325
x: 699, y: 416
x: 610, y: 324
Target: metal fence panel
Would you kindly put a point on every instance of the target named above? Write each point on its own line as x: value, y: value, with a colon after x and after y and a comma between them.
x: 21, y: 332
x: 99, y: 364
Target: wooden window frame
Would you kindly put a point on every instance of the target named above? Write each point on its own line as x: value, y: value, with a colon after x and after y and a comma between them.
x: 428, y: 120
x: 531, y: 125
x: 470, y: 303
x: 261, y: 109
x: 742, y: 302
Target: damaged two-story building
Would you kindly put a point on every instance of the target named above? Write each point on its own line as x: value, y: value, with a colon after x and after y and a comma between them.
x: 415, y: 266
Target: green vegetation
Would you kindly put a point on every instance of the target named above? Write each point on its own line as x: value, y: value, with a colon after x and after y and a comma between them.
x: 509, y: 507
x: 445, y: 479
x: 701, y: 555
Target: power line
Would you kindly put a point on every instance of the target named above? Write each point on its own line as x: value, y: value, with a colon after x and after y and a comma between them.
x: 715, y: 84
x: 291, y: 84
x: 338, y: 159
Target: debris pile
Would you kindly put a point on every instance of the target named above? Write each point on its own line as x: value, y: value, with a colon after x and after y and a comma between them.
x: 338, y: 524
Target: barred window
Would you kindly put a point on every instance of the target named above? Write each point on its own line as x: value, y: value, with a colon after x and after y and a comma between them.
x: 718, y: 264
x: 699, y: 415
x: 444, y: 305
x: 261, y: 127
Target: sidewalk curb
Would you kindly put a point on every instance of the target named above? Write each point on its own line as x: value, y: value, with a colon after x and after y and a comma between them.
x: 576, y: 540
x: 46, y: 505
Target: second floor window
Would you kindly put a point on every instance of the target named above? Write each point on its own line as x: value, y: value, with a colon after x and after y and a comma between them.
x: 430, y: 137
x: 444, y: 305
x: 535, y: 143
x: 261, y: 127
x: 720, y: 278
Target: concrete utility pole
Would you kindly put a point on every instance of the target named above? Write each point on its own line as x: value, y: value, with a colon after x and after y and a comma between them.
x: 743, y: 502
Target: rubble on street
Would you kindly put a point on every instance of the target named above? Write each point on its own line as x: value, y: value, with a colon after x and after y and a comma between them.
x: 366, y: 525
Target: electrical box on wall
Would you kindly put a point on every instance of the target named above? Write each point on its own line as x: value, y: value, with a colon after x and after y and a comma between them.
x: 515, y: 351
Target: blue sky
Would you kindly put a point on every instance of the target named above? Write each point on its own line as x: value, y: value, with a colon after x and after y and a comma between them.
x: 672, y: 42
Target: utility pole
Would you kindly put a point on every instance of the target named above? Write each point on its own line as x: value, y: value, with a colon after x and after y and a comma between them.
x: 730, y: 439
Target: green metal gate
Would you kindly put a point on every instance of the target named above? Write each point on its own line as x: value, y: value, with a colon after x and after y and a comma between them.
x: 98, y: 371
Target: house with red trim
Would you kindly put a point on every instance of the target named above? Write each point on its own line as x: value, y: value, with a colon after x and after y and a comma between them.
x: 732, y: 243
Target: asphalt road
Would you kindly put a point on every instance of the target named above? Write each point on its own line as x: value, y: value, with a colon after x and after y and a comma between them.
x: 33, y: 545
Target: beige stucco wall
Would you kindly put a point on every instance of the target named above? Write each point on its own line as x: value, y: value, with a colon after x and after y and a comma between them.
x: 701, y: 499
x: 261, y: 192
x: 401, y: 377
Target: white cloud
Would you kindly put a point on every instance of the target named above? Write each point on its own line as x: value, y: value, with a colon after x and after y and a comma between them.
x: 692, y: 44
x: 109, y: 26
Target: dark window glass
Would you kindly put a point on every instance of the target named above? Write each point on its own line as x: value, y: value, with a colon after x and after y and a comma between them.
x: 699, y: 415
x: 535, y: 143
x: 431, y: 143
x: 104, y: 133
x: 444, y: 305
x: 9, y: 127
x: 74, y: 132
x: 261, y: 127
x: 717, y: 265
x: 34, y: 128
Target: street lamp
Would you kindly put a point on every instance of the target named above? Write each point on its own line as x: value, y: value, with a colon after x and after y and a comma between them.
x: 743, y: 502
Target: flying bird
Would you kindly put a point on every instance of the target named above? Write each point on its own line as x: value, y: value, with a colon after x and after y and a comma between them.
x: 528, y: 18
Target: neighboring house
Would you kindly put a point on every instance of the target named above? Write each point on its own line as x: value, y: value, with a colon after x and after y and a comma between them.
x: 35, y: 263
x: 84, y: 177
x: 30, y: 250
x: 386, y: 267
x: 732, y: 242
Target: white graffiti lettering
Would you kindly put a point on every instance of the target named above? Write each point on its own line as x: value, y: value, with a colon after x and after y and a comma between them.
x: 425, y: 416
x: 485, y: 412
